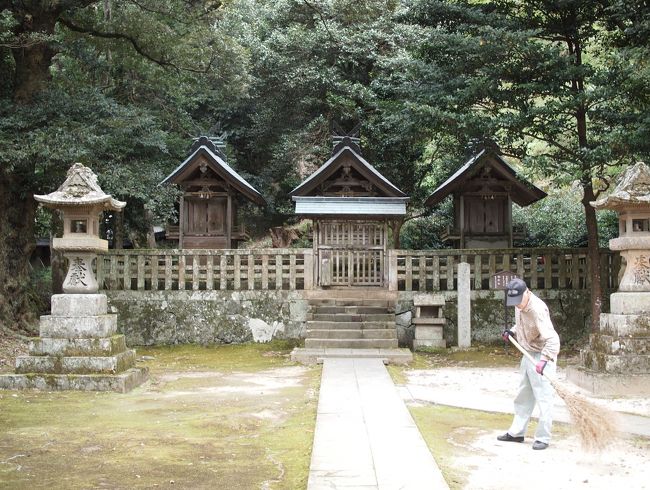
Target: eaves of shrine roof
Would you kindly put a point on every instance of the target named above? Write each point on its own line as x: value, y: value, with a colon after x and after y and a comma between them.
x: 350, y: 206
x: 220, y: 166
x: 523, y: 192
x: 326, y: 169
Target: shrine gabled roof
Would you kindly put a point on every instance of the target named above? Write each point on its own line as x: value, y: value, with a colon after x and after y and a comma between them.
x: 329, y: 167
x: 220, y: 166
x: 522, y: 192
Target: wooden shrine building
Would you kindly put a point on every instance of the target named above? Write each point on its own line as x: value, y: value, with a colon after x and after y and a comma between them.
x: 483, y: 191
x: 354, y: 210
x: 212, y: 193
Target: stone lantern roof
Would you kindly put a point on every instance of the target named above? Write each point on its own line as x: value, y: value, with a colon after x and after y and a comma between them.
x: 632, y: 191
x: 80, y: 189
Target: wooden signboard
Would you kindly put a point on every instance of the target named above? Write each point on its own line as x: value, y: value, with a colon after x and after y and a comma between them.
x: 501, y: 279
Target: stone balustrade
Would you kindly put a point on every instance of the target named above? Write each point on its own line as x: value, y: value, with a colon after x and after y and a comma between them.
x: 293, y: 269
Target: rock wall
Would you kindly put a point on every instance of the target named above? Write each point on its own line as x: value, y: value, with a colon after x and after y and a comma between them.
x: 208, y: 317
x: 216, y: 317
x: 570, y: 313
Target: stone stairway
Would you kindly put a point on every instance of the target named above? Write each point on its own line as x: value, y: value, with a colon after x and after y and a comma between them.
x: 351, y: 323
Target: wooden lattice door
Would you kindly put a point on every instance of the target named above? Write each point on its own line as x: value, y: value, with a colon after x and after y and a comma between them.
x: 351, y: 253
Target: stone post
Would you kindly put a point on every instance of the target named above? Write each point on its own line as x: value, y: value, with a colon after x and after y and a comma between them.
x: 464, y: 306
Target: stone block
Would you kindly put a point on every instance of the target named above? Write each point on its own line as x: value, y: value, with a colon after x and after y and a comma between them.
x: 79, y: 304
x: 615, y: 364
x: 75, y: 365
x: 606, y: 384
x: 428, y: 333
x: 630, y: 303
x: 82, y: 327
x: 419, y: 344
x: 120, y: 383
x: 108, y: 346
x: 620, y: 325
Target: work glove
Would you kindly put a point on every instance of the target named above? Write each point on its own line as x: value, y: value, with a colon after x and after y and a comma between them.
x: 539, y: 367
x: 507, y: 333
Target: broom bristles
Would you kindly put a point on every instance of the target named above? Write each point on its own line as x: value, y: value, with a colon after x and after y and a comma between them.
x: 597, y: 427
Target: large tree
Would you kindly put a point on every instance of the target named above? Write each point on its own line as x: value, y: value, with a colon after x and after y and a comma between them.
x: 536, y: 75
x: 119, y: 86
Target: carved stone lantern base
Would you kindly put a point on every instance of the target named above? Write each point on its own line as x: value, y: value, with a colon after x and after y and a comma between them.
x: 78, y: 349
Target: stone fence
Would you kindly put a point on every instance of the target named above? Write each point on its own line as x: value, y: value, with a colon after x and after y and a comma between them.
x: 223, y: 296
x: 293, y: 269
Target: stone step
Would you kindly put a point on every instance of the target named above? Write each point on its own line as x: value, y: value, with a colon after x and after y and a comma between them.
x: 351, y: 343
x: 624, y: 345
x: 615, y: 364
x: 347, y: 294
x: 388, y: 356
x: 352, y: 334
x: 351, y: 310
x: 120, y: 383
x: 345, y: 317
x: 75, y: 365
x: 108, y: 346
x: 81, y: 327
x: 328, y: 325
x: 377, y: 303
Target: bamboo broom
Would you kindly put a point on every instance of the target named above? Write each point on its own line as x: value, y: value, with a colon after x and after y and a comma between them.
x: 596, y: 425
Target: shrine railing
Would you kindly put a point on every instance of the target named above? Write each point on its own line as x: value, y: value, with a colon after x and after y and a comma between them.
x: 164, y: 269
x: 293, y: 269
x: 541, y: 268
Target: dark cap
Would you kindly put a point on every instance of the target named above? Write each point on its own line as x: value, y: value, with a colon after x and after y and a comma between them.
x: 515, y: 290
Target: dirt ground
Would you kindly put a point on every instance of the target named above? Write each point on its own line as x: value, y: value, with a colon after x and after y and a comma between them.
x: 478, y: 461
x: 236, y: 417
x: 242, y: 417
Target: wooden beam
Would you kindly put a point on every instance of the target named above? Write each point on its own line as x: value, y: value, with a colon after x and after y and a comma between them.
x: 229, y: 220
x: 181, y: 222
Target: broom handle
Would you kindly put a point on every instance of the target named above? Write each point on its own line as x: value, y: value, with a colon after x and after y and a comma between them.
x: 525, y: 353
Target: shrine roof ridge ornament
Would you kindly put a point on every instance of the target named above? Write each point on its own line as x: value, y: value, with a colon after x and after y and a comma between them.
x: 633, y: 189
x: 80, y: 188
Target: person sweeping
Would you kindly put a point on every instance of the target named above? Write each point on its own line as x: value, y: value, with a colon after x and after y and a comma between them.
x: 534, y: 332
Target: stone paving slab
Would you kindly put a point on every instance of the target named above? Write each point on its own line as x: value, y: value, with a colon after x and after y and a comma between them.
x: 365, y: 436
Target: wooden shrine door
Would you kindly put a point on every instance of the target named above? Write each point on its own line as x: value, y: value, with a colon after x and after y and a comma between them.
x: 351, y: 253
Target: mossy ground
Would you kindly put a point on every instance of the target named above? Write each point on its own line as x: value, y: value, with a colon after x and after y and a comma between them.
x: 237, y: 417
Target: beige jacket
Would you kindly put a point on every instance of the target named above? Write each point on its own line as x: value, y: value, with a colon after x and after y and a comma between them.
x: 534, y: 330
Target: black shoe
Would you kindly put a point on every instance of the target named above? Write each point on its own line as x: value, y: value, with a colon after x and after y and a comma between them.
x: 508, y: 438
x: 539, y: 445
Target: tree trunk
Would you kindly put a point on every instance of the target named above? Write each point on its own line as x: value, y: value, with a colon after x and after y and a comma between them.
x: 593, y: 254
x: 17, y: 301
x: 118, y: 235
x: 57, y: 260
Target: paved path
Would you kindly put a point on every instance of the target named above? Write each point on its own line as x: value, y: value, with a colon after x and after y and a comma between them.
x: 365, y: 436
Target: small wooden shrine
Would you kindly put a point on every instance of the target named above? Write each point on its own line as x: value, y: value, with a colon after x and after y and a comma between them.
x: 212, y: 194
x: 483, y: 191
x: 353, y: 207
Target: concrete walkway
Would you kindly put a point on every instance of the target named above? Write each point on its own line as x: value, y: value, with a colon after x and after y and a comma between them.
x: 365, y: 436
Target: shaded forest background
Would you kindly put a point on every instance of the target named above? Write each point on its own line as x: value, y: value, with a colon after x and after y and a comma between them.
x: 123, y: 87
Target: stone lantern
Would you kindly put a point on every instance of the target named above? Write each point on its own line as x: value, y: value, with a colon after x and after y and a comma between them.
x: 79, y: 347
x: 617, y: 360
x: 631, y: 200
x: 82, y: 201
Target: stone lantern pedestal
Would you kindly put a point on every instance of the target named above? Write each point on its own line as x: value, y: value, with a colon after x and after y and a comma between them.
x: 617, y: 360
x: 78, y: 347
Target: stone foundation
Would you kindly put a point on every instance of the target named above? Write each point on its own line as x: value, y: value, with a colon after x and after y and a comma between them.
x: 79, y: 349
